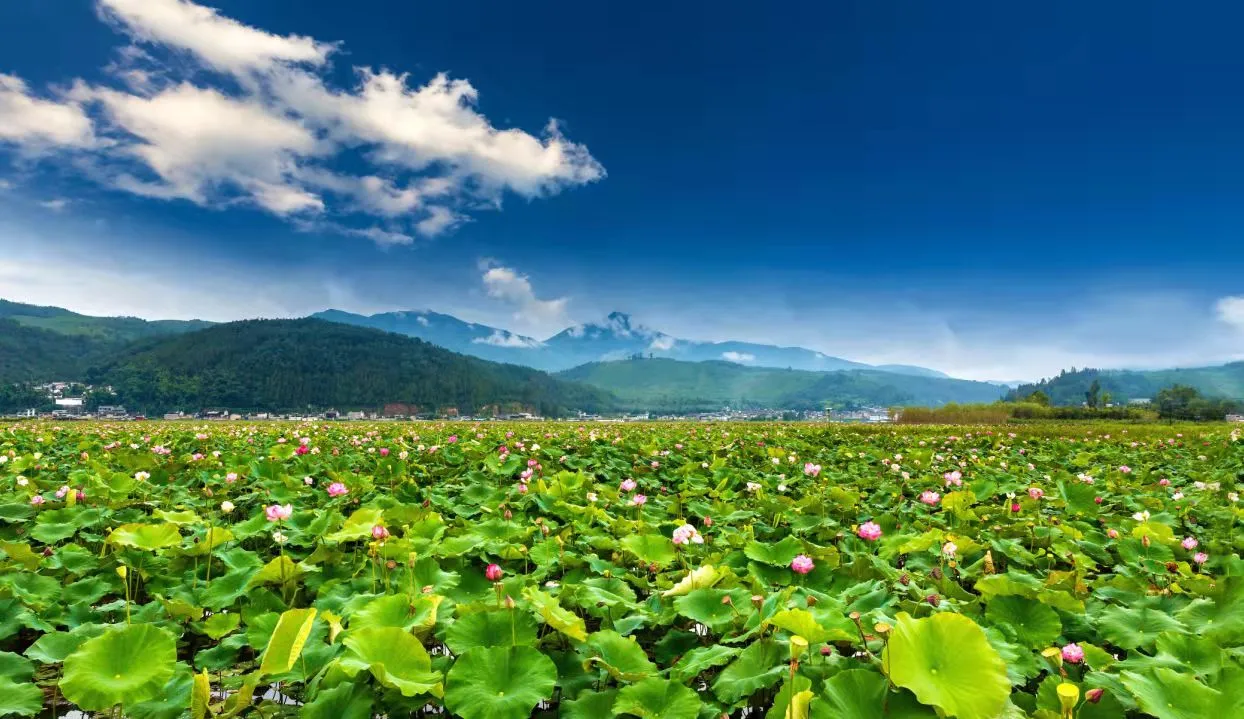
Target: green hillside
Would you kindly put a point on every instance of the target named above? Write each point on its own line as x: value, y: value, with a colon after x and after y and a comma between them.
x: 30, y: 354
x: 671, y: 385
x: 1069, y: 388
x: 112, y: 329
x: 296, y: 364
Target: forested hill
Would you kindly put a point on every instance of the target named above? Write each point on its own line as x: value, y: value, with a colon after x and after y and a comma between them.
x: 296, y: 364
x: 670, y: 385
x: 1072, y: 387
x: 104, y: 329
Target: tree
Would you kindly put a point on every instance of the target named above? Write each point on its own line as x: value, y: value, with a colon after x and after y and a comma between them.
x: 1174, y: 402
x: 1093, y: 395
x: 1038, y: 397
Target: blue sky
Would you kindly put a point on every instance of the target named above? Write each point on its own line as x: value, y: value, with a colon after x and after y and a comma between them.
x: 993, y: 190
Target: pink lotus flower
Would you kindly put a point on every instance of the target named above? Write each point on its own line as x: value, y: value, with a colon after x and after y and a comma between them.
x: 452, y: 438
x: 1189, y: 543
x: 802, y: 564
x: 949, y: 549
x: 1125, y: 469
x: 302, y: 449
x: 1112, y: 533
x: 494, y: 572
x: 231, y: 477
x: 1036, y: 492
x: 37, y: 500
x: 1164, y: 482
x: 379, y: 533
x: 384, y: 451
x: 930, y: 497
x: 639, y: 500
x: 627, y: 485
x: 687, y: 534
x: 812, y: 470
x: 522, y: 488
x: 1073, y: 654
x: 870, y: 531
x: 1200, y: 557
x: 708, y: 521
x: 336, y: 489
x: 1015, y: 506
x: 954, y: 478
x: 277, y: 512
x: 525, y: 474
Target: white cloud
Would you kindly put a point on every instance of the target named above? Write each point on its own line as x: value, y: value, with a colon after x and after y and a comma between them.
x: 502, y: 338
x: 662, y: 343
x: 738, y: 356
x: 55, y: 204
x: 5, y: 185
x: 422, y: 320
x: 505, y: 284
x: 36, y: 123
x: 1231, y: 311
x: 221, y: 42
x: 273, y: 140
x: 194, y: 140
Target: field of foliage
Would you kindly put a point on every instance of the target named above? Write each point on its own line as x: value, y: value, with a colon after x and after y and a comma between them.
x: 673, y: 571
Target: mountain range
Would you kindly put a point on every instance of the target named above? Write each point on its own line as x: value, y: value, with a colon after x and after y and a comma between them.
x: 329, y: 360
x: 615, y: 338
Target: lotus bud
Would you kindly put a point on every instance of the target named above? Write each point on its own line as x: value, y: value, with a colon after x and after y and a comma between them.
x: 1145, y: 541
x: 509, y: 602
x: 1094, y: 695
x: 933, y: 600
x: 122, y: 571
x: 826, y: 650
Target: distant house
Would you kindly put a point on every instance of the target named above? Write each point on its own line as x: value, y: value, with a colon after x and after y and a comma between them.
x: 356, y: 415
x: 175, y: 415
x: 1140, y: 401
x: 108, y: 410
x: 1235, y: 418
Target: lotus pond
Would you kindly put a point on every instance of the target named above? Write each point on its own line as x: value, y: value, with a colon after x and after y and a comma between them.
x: 502, y: 571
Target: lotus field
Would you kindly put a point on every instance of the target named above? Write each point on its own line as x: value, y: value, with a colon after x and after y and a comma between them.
x: 501, y: 571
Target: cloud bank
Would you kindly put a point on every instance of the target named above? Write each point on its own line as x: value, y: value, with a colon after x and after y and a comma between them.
x: 209, y: 110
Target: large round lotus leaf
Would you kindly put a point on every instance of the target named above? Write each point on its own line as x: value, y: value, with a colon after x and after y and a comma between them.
x: 148, y: 537
x: 121, y: 666
x: 1030, y: 622
x: 714, y: 608
x: 762, y: 664
x: 658, y: 699
x: 622, y: 657
x: 864, y: 694
x: 498, y: 628
x: 53, y: 647
x: 499, y: 682
x: 22, y: 699
x: 1168, y: 694
x: 947, y: 662
x: 395, y: 657
x: 1135, y: 627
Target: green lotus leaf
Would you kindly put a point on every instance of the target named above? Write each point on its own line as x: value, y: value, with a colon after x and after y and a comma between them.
x: 344, y: 701
x: 21, y: 553
x: 803, y: 623
x: 701, y: 659
x: 623, y: 658
x: 147, y: 537
x: 658, y: 699
x: 200, y: 695
x: 219, y: 624
x: 553, y: 614
x: 760, y: 665
x: 1028, y: 621
x: 650, y: 548
x: 357, y: 526
x: 948, y: 663
x: 395, y: 658
x: 699, y: 578
x: 498, y: 628
x: 589, y: 705
x: 1135, y: 627
x: 172, y: 700
x: 124, y: 665
x: 499, y: 682
x: 778, y: 554
x: 287, y: 641
x: 714, y: 608
x: 213, y: 539
x: 20, y: 699
x: 54, y: 647
x: 1170, y: 694
x: 16, y: 667
x: 282, y: 571
x: 606, y: 592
